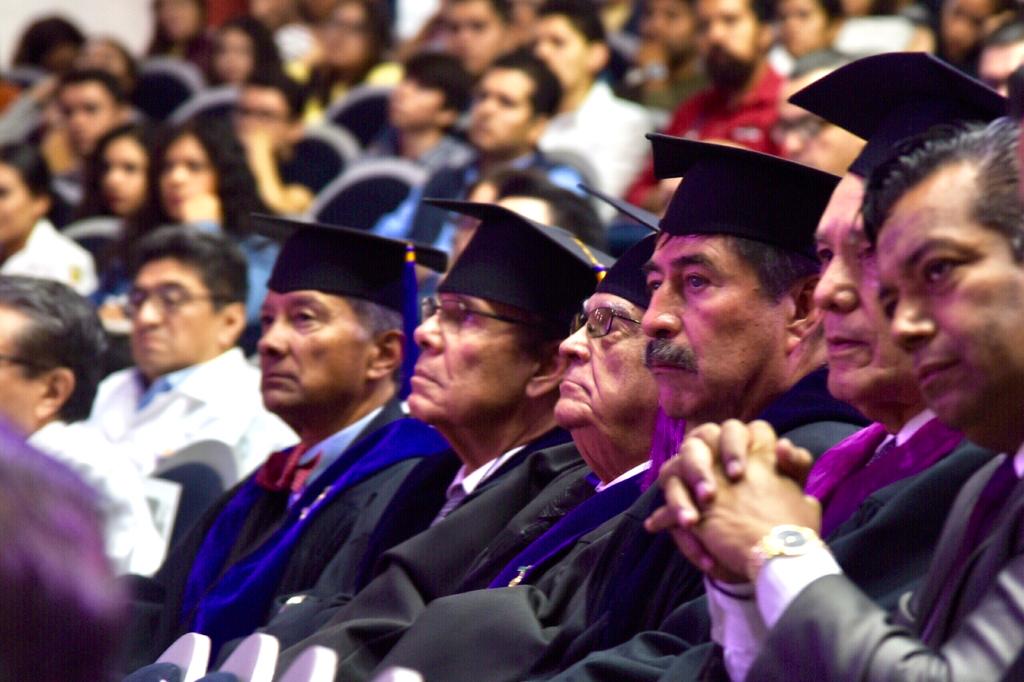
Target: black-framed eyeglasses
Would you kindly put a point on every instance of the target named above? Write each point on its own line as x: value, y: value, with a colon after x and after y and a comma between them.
x: 598, y: 321
x: 455, y: 311
x: 167, y: 298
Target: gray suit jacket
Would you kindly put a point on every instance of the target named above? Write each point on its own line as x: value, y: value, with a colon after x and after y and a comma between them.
x: 974, y: 614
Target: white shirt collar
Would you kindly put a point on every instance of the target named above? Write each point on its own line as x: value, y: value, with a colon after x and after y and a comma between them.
x: 913, y: 426
x: 470, y: 482
x: 638, y: 469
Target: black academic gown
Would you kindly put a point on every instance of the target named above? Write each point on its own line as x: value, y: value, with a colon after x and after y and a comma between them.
x: 507, y: 631
x: 867, y: 546
x: 346, y: 522
x: 546, y: 475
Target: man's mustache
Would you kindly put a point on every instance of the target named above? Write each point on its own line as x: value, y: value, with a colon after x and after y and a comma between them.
x: 664, y: 353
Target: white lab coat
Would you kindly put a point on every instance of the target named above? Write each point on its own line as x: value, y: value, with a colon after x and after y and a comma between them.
x: 50, y: 255
x: 220, y: 400
x: 132, y: 541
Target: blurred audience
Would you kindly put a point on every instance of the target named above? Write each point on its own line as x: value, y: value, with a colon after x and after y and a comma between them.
x: 353, y: 40
x: 963, y: 27
x: 29, y: 243
x: 806, y: 137
x: 49, y: 44
x: 179, y: 30
x: 740, y: 106
x: 91, y: 104
x: 477, y: 32
x: 666, y: 67
x: 593, y: 126
x: 423, y: 110
x: 294, y: 38
x: 268, y: 123
x: 110, y: 55
x: 242, y: 48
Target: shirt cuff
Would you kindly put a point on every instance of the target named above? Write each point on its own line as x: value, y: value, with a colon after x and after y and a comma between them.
x: 781, y: 579
x: 736, y: 625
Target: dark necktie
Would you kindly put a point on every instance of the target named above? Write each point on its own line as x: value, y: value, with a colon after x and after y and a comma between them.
x: 284, y: 470
x: 991, y: 501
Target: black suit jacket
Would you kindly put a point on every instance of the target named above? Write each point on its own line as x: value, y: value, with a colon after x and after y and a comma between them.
x: 976, y: 611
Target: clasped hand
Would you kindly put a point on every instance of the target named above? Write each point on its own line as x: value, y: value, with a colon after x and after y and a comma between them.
x: 726, y: 488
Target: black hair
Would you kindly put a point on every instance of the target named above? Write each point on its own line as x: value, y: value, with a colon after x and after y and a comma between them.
x: 265, y: 56
x: 833, y: 8
x: 277, y: 80
x: 378, y: 26
x: 502, y: 8
x: 163, y: 44
x: 104, y: 79
x: 63, y: 331
x: 92, y: 203
x: 236, y: 186
x: 444, y: 72
x: 777, y: 269
x: 581, y: 14
x: 42, y: 36
x: 30, y: 165
x: 218, y: 261
x: 547, y: 91
x: 990, y: 149
x: 568, y: 210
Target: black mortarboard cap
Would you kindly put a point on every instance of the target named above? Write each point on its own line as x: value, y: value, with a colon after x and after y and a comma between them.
x: 339, y: 260
x: 627, y: 278
x: 889, y: 97
x: 518, y: 262
x: 734, y: 191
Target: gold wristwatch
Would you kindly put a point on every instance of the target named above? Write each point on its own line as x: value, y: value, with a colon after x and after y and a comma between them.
x: 782, y: 541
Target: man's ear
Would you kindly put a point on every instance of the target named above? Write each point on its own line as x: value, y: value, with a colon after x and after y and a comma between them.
x: 547, y: 375
x: 58, y: 385
x: 803, y: 317
x: 232, y: 324
x: 386, y: 356
x: 598, y: 55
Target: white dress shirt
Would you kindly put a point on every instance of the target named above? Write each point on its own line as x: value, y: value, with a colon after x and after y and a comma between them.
x: 132, y: 541
x: 50, y: 255
x: 216, y: 400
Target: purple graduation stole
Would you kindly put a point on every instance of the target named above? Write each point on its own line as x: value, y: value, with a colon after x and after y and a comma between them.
x: 584, y: 518
x: 845, y: 475
x: 235, y: 603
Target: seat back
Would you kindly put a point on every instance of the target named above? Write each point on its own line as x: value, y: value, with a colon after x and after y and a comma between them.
x: 191, y: 653
x: 322, y: 155
x: 365, y: 192
x: 95, y: 233
x: 315, y: 664
x: 164, y: 83
x: 362, y: 111
x: 218, y: 101
x: 163, y: 498
x: 200, y: 487
x: 254, y: 659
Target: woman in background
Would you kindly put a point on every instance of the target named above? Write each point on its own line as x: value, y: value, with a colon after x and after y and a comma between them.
x: 242, y: 47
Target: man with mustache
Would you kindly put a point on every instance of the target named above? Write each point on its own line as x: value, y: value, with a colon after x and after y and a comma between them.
x: 946, y: 216
x: 740, y: 107
x: 757, y: 347
x: 871, y: 486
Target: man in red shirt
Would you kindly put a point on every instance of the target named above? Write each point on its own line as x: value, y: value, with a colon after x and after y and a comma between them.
x: 741, y: 105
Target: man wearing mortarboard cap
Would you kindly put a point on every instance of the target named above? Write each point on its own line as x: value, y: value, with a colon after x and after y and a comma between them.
x: 487, y: 378
x: 513, y: 628
x: 907, y: 459
x: 330, y: 352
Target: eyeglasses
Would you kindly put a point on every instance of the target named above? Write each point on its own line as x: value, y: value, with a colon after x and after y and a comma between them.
x: 167, y: 298
x: 455, y: 311
x: 598, y: 321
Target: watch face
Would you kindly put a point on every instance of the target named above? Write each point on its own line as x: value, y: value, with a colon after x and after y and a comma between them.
x: 792, y: 538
